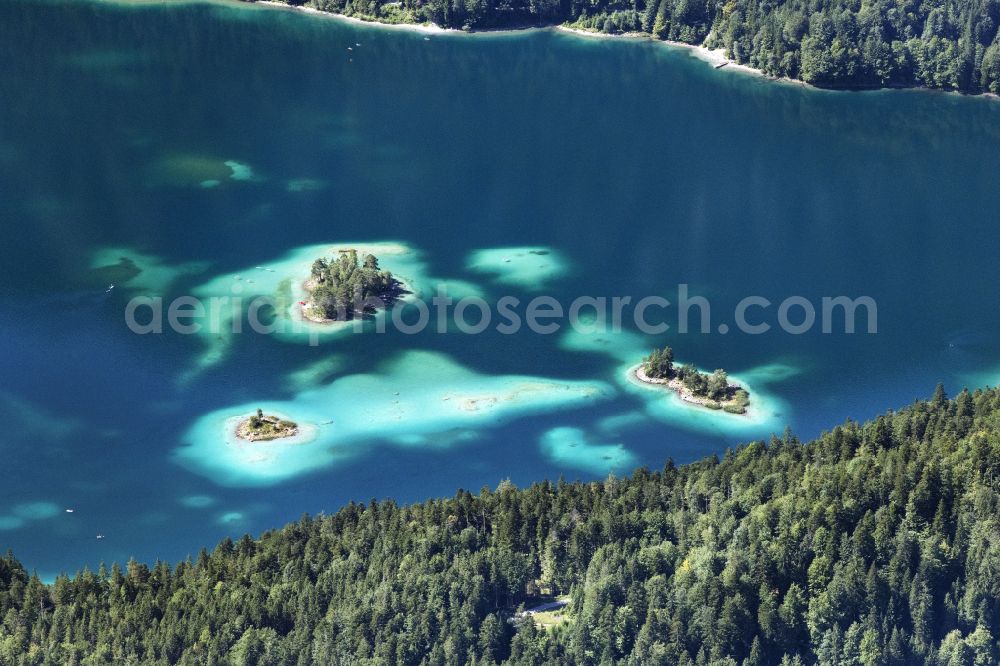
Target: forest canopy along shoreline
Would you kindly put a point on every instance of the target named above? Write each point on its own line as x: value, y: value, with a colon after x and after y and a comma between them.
x: 839, y: 45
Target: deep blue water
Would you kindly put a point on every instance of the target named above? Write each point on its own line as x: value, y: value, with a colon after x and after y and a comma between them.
x: 642, y: 166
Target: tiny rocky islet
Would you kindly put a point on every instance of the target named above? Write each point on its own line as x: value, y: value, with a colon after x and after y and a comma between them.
x: 261, y: 427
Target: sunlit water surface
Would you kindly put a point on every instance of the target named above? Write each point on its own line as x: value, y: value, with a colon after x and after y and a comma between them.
x: 168, y: 149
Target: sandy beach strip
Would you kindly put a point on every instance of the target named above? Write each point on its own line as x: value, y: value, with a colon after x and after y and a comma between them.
x: 714, y: 57
x: 413, y: 27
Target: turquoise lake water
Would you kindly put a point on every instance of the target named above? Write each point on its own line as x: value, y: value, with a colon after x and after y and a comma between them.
x: 169, y: 149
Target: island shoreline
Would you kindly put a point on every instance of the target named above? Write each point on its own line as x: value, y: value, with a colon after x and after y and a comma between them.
x: 638, y: 375
x: 399, y: 292
x: 245, y: 429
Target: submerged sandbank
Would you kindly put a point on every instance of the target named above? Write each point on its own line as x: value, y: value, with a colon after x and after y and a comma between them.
x: 197, y: 170
x: 418, y: 399
x: 139, y: 272
x: 282, y: 282
x: 20, y: 515
x: 528, y: 267
x: 573, y: 448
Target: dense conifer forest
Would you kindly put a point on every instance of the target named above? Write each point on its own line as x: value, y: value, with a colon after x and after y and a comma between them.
x: 342, y: 287
x: 947, y: 44
x: 875, y: 544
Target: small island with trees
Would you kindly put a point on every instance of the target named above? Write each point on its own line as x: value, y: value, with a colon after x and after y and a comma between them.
x: 261, y: 427
x: 344, y: 288
x: 713, y: 391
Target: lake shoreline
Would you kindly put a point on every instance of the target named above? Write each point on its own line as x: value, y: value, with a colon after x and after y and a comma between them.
x: 714, y: 57
x: 414, y: 27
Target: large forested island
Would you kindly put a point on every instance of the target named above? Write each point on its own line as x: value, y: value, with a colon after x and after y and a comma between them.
x: 876, y: 544
x: 342, y: 288
x: 834, y: 43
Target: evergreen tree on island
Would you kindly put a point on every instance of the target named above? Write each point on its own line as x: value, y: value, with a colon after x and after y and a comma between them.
x: 343, y: 288
x: 263, y: 427
x: 659, y: 364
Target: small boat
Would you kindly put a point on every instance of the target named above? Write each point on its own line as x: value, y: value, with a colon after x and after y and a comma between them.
x: 100, y: 536
x: 302, y: 302
x: 110, y: 287
x: 260, y: 268
x: 721, y: 65
x: 69, y: 510
x: 350, y: 48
